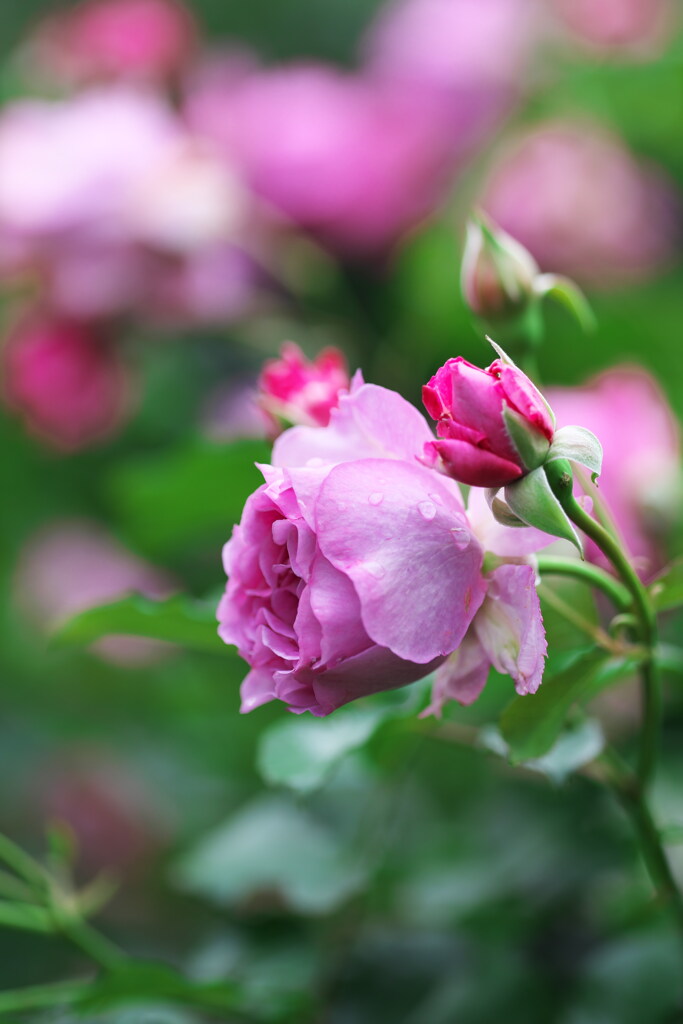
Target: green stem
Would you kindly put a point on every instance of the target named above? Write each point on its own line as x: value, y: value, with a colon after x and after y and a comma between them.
x: 35, y: 997
x: 630, y: 793
x: 587, y: 573
x: 95, y: 946
x: 560, y: 478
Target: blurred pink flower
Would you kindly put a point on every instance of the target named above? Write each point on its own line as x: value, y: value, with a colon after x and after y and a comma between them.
x: 73, y: 165
x: 65, y: 380
x: 632, y: 26
x: 467, y: 56
x: 73, y: 565
x: 578, y: 200
x: 151, y: 39
x: 231, y: 411
x: 641, y: 478
x: 135, y: 215
x: 118, y: 822
x: 352, y: 160
x: 294, y: 389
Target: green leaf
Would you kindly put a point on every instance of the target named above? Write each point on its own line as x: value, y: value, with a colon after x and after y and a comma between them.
x: 139, y: 981
x: 272, y: 850
x: 196, y: 492
x: 563, y: 291
x: 532, y: 446
x: 578, y: 445
x: 301, y: 752
x: 531, y: 724
x: 667, y: 590
x: 178, y: 619
x: 532, y: 500
x: 574, y: 747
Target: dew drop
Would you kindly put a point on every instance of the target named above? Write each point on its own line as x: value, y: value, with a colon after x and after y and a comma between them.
x: 376, y: 498
x: 427, y: 509
x: 460, y: 537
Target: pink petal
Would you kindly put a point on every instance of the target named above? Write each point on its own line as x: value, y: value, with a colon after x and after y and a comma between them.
x: 403, y: 540
x: 371, y: 422
x: 462, y: 677
x: 471, y: 465
x: 510, y: 629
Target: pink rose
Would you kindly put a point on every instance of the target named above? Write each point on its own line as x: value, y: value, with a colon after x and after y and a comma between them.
x: 150, y: 39
x: 293, y: 389
x: 354, y: 160
x: 638, y: 27
x: 641, y: 479
x: 475, y: 410
x: 355, y: 569
x: 573, y: 195
x: 66, y: 381
x: 72, y: 565
x: 331, y: 572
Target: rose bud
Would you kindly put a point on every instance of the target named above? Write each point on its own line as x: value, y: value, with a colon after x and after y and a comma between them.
x: 494, y: 426
x: 498, y: 274
x: 296, y: 390
x: 66, y: 382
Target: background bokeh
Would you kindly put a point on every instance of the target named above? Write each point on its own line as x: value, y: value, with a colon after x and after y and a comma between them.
x: 417, y: 878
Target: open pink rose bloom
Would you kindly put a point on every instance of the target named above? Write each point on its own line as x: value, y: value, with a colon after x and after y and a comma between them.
x: 356, y: 569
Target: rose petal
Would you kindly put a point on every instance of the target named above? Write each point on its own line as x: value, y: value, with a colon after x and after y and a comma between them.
x: 397, y: 533
x: 509, y: 626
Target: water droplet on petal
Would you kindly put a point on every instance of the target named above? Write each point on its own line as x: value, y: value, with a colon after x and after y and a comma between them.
x: 436, y: 498
x: 376, y: 498
x: 375, y: 569
x: 461, y: 537
x: 427, y: 509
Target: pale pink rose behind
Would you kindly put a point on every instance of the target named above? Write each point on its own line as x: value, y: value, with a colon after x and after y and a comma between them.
x: 353, y: 160
x: 468, y: 57
x: 355, y: 569
x: 66, y: 381
x: 573, y: 195
x: 634, y: 27
x: 72, y: 165
x: 99, y: 39
x: 74, y: 564
x: 641, y: 479
x: 137, y: 216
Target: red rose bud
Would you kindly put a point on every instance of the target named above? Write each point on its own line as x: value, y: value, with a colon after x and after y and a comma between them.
x: 498, y: 274
x: 494, y: 426
x: 66, y: 382
x: 296, y: 390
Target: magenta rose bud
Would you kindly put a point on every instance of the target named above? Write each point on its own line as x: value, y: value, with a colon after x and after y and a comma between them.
x: 493, y: 425
x: 296, y: 390
x: 66, y: 382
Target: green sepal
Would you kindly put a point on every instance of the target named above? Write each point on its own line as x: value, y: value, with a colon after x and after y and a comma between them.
x: 531, y: 445
x: 532, y: 500
x: 568, y: 294
x: 578, y: 445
